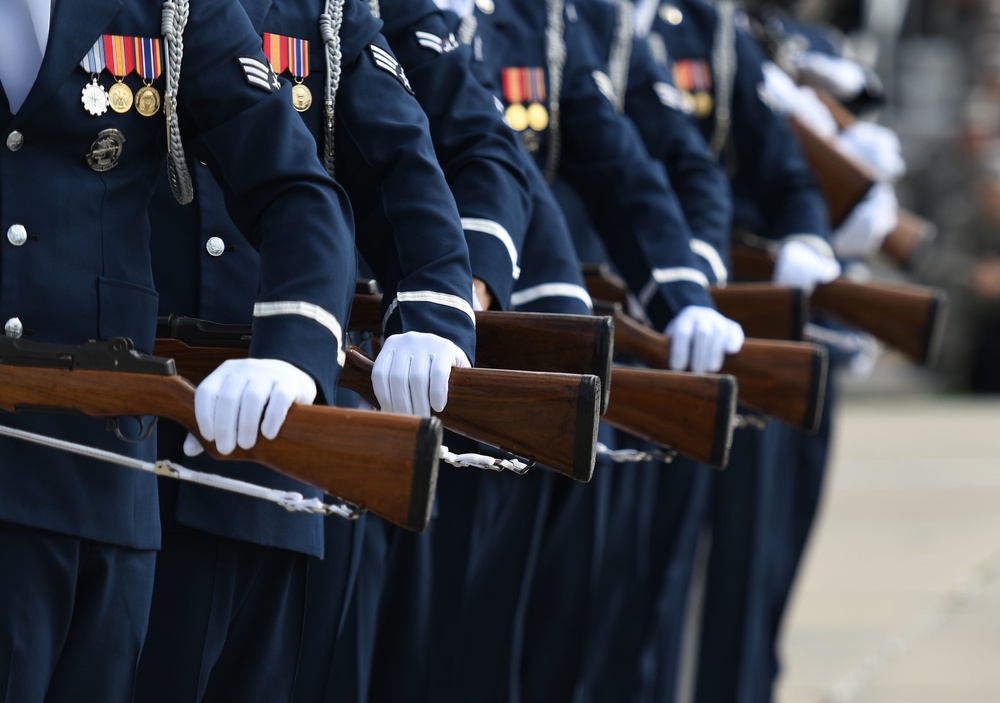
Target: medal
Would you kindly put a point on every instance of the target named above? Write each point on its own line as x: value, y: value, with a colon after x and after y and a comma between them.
x: 94, y: 97
x: 516, y: 116
x: 149, y: 65
x: 120, y: 55
x: 538, y: 117
x: 291, y: 54
x: 106, y: 150
x: 301, y: 97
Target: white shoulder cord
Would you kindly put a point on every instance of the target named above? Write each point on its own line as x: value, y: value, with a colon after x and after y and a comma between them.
x: 467, y: 29
x: 555, y: 50
x: 724, y: 63
x: 329, y: 28
x: 621, y: 53
x: 375, y: 9
x: 172, y: 22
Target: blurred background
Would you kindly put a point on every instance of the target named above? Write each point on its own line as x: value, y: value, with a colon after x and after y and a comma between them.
x: 899, y: 596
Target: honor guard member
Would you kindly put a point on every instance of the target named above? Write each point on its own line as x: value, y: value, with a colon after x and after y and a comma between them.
x: 258, y: 596
x: 78, y: 170
x: 718, y: 65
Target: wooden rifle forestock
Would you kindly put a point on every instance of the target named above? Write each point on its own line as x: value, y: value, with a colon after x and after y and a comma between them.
x: 783, y: 379
x: 692, y: 413
x: 528, y: 341
x: 386, y: 464
x: 904, y: 316
x: 549, y: 418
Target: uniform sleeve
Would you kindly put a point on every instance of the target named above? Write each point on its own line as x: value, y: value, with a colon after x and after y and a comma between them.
x: 425, y: 267
x: 629, y: 199
x: 477, y: 151
x: 276, y: 191
x: 661, y: 114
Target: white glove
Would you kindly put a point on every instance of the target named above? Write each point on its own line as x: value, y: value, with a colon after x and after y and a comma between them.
x: 877, y: 147
x: 787, y: 98
x: 702, y: 336
x: 861, y: 234
x: 411, y: 373
x: 844, y: 78
x: 801, y: 266
x: 231, y: 401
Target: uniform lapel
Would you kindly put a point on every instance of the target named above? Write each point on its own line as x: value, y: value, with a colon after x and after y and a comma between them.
x: 75, y: 26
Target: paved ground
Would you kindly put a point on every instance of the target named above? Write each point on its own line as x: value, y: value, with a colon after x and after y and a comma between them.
x: 899, y: 600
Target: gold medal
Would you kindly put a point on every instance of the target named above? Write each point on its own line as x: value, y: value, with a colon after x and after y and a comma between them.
x: 302, y: 97
x: 120, y: 97
x: 538, y: 117
x: 94, y: 98
x: 516, y: 116
x: 147, y: 101
x: 702, y: 104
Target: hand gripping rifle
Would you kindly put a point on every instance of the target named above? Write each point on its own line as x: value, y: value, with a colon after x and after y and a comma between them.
x: 691, y: 414
x: 549, y: 418
x: 763, y: 310
x: 906, y: 317
x: 384, y: 463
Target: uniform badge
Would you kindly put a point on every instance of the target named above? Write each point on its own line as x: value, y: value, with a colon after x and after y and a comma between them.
x: 258, y: 74
x: 94, y: 96
x: 524, y: 92
x: 106, y: 151
x: 440, y: 45
x: 149, y: 65
x: 694, y: 77
x: 387, y: 62
x: 291, y: 54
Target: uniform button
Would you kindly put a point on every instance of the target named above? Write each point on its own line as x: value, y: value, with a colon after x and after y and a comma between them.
x: 13, y: 328
x: 17, y: 235
x: 215, y: 246
x: 15, y: 140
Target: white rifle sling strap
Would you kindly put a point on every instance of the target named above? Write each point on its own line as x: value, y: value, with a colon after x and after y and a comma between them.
x: 172, y: 22
x: 289, y: 500
x: 329, y: 27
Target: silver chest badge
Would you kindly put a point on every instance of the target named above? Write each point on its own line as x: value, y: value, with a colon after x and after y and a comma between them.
x: 106, y: 150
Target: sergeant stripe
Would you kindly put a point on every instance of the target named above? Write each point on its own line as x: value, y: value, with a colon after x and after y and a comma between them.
x: 429, y: 296
x: 476, y: 224
x: 709, y: 254
x: 551, y: 290
x: 308, y: 310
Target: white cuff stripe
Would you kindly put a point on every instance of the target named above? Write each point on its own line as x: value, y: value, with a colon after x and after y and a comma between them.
x: 680, y: 273
x: 429, y: 296
x: 551, y: 290
x: 476, y: 224
x: 709, y: 254
x: 309, y: 310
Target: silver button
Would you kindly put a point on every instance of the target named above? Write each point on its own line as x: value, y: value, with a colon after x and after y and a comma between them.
x: 13, y: 328
x: 15, y: 140
x: 17, y: 235
x: 215, y: 246
x: 671, y: 14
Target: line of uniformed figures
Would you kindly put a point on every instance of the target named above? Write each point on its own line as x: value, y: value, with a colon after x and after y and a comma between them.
x: 442, y: 126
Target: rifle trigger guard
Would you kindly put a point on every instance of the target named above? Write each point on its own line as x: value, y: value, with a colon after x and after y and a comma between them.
x: 145, y: 431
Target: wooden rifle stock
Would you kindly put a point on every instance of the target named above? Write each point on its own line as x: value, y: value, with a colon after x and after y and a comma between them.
x: 549, y: 418
x: 692, y: 413
x: 525, y: 341
x: 906, y: 317
x: 783, y: 379
x: 384, y: 463
x: 764, y: 311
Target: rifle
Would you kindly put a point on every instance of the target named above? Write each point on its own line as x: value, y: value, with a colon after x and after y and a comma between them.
x: 764, y: 311
x: 326, y: 447
x: 529, y: 341
x: 783, y: 379
x: 549, y: 418
x: 692, y: 413
x: 906, y: 317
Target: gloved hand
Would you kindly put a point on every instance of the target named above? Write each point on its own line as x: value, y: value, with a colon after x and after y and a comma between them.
x: 787, y: 98
x: 231, y: 401
x: 844, y: 78
x: 411, y: 372
x: 875, y: 146
x: 801, y: 266
x: 702, y: 337
x: 861, y: 234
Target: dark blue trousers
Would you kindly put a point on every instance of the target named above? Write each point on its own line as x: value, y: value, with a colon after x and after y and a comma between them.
x: 73, y: 616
